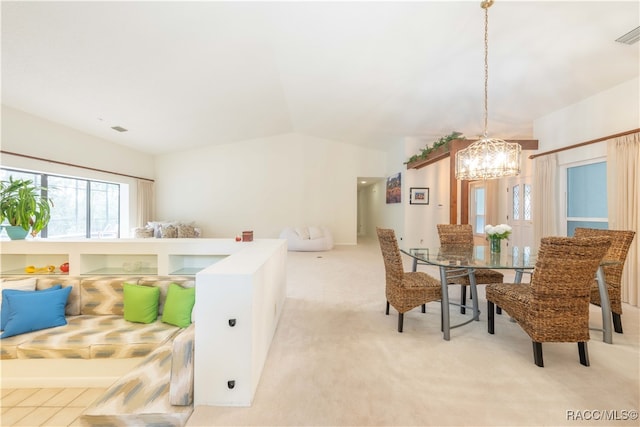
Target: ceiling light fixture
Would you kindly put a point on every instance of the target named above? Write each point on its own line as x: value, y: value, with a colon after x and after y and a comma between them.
x: 488, y: 158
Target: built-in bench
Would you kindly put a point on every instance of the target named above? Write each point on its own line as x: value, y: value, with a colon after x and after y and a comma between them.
x: 154, y: 361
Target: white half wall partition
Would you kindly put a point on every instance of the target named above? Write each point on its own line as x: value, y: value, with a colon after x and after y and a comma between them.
x: 239, y: 301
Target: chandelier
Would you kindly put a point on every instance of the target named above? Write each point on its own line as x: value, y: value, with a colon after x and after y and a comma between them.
x: 488, y: 158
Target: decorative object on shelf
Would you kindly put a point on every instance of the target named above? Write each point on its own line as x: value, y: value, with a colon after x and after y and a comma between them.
x: 488, y: 158
x: 442, y: 142
x: 64, y: 267
x: 247, y: 236
x: 30, y: 269
x: 495, y: 234
x: 238, y: 238
x: 418, y: 196
x: 394, y: 188
x: 24, y: 204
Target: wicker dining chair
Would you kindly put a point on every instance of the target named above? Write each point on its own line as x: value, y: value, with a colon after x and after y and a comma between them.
x: 404, y: 290
x: 554, y: 307
x: 620, y: 243
x: 462, y: 235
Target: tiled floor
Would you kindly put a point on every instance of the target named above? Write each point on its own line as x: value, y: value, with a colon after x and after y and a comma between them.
x: 50, y: 407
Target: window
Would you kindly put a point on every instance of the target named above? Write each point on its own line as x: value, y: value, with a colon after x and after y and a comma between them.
x: 82, y: 207
x: 587, y: 197
x: 515, y: 193
x: 521, y: 208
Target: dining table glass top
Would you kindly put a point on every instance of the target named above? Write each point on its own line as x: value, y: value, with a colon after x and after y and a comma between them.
x: 477, y: 256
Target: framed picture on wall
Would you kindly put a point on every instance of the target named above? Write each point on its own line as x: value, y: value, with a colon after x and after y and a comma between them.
x: 394, y: 188
x: 418, y: 196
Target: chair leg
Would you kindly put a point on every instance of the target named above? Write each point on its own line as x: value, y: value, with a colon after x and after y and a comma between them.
x: 490, y: 320
x: 463, y: 299
x: 424, y: 308
x: 584, y: 354
x: 498, y: 310
x: 400, y: 321
x: 617, y: 323
x: 387, y: 312
x: 537, y: 354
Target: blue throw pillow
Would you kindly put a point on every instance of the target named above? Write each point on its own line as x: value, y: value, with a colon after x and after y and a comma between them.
x: 4, y: 309
x: 35, y: 311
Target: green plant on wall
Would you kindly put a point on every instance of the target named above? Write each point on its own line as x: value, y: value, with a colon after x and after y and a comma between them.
x: 23, y: 204
x: 444, y: 141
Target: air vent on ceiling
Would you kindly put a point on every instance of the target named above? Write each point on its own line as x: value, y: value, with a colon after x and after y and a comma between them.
x: 631, y: 37
x: 119, y: 129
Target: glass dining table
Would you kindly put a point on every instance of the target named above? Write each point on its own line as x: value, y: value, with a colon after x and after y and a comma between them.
x: 454, y: 261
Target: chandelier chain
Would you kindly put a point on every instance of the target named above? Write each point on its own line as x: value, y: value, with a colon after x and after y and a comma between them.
x: 488, y: 158
x: 486, y: 69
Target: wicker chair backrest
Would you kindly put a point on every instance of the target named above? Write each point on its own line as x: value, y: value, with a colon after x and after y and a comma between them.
x: 455, y: 234
x: 620, y: 243
x: 566, y: 267
x: 391, y: 254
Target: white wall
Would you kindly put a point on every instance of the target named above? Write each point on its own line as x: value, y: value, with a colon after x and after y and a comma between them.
x: 421, y: 220
x: 606, y: 113
x: 392, y: 214
x: 265, y: 185
x: 33, y: 136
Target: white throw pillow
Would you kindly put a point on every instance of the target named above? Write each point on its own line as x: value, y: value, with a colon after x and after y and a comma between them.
x: 315, y: 233
x: 21, y: 285
x: 303, y: 232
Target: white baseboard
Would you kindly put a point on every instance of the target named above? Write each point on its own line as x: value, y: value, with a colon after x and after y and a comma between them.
x: 56, y: 373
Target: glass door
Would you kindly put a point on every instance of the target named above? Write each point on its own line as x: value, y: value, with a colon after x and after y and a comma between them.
x: 520, y: 213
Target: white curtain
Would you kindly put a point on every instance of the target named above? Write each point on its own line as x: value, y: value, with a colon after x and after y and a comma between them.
x: 146, y: 202
x: 545, y: 198
x: 623, y: 187
x: 492, y: 203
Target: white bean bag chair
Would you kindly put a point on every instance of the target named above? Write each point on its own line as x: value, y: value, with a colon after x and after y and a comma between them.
x: 309, y: 239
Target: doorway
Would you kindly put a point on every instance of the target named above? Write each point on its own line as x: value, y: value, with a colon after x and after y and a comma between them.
x: 369, y: 205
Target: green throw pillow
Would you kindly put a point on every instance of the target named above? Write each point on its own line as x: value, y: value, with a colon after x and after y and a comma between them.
x: 178, y: 306
x: 140, y: 303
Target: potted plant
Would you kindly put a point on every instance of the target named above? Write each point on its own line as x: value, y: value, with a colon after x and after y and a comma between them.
x: 24, y: 207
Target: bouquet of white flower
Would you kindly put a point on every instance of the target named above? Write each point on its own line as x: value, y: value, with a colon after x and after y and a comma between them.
x: 500, y: 231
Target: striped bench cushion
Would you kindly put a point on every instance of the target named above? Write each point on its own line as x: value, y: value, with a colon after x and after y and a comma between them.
x: 87, y: 337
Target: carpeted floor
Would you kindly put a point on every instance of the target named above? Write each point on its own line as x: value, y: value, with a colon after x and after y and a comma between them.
x: 337, y: 360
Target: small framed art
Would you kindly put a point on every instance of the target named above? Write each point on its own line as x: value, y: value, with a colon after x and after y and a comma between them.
x: 394, y: 188
x: 418, y: 196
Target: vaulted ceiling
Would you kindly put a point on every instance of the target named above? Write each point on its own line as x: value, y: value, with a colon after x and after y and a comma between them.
x: 179, y: 75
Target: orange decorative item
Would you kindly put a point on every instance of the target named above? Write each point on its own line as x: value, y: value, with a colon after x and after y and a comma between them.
x: 64, y: 267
